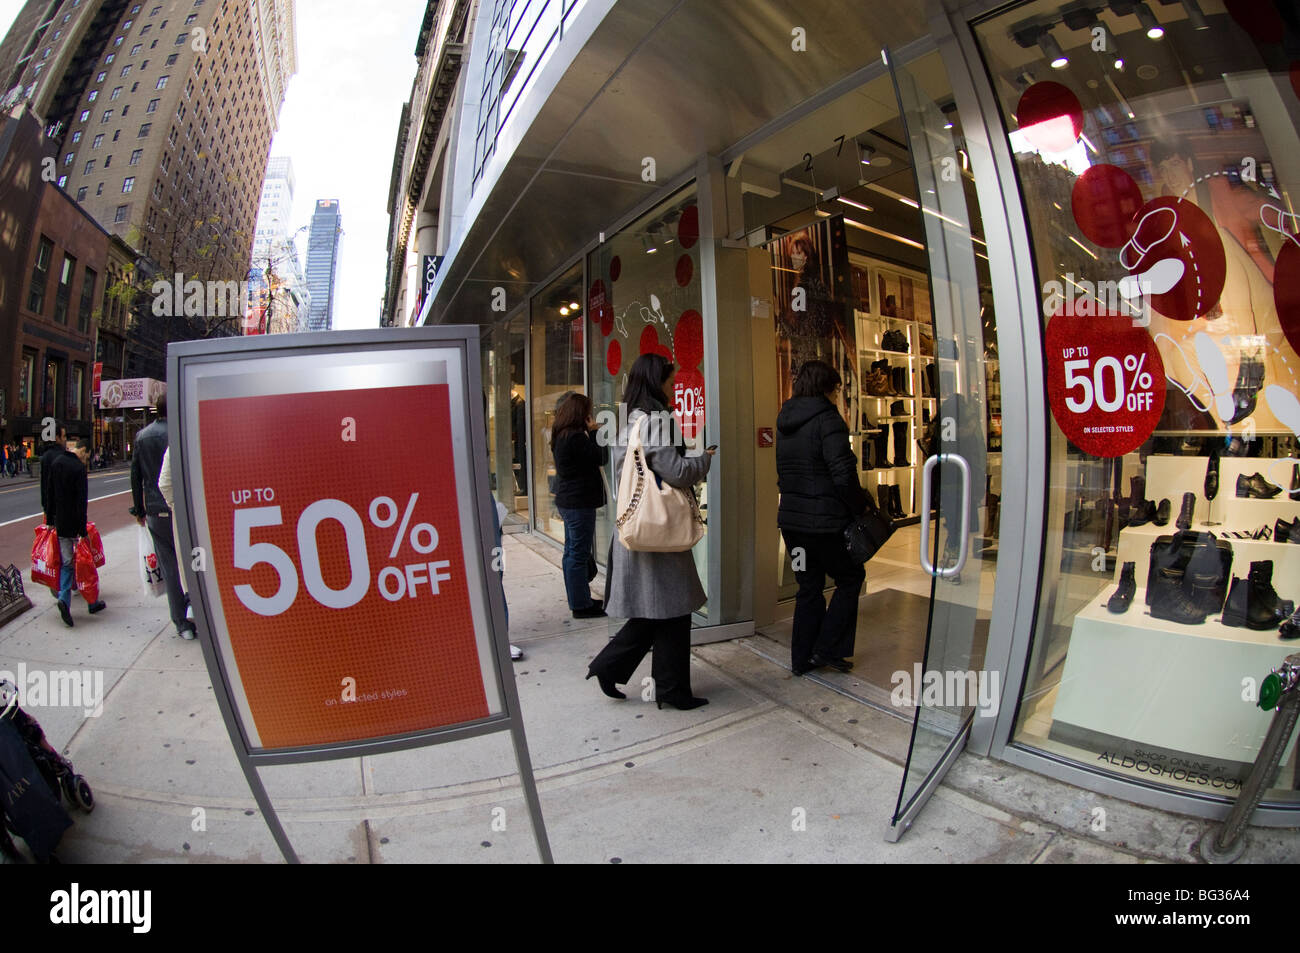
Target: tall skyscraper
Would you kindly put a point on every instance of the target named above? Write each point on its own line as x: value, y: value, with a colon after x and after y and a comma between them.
x: 165, y: 111
x: 276, y: 270
x: 323, y: 263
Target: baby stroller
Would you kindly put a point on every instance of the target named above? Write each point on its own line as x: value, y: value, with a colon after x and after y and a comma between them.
x: 34, y: 778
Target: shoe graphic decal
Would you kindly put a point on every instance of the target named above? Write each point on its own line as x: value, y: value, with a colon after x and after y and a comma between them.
x: 1286, y: 224
x: 1152, y: 229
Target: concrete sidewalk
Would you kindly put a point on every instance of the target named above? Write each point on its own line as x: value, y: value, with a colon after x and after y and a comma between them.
x: 619, y: 781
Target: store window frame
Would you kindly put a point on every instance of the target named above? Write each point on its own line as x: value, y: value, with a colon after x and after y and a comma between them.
x: 1016, y: 292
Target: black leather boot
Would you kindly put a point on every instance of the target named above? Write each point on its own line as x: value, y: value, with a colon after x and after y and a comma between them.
x: 1188, y: 512
x: 1291, y: 627
x: 1168, y: 601
x: 1255, y: 487
x: 898, y: 379
x: 1250, y: 378
x: 882, y: 491
x: 900, y: 445
x: 1284, y: 532
x: 1162, y: 513
x: 896, y: 502
x: 1122, y: 597
x: 1295, y: 482
x: 1253, y: 603
x: 1212, y: 476
x: 881, y: 440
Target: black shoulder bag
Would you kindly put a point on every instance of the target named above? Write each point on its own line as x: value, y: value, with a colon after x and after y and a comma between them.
x: 867, y: 533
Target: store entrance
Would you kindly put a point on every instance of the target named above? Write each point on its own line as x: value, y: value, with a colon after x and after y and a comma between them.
x: 876, y: 266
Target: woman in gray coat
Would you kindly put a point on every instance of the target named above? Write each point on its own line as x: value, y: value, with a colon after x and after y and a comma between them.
x: 655, y: 592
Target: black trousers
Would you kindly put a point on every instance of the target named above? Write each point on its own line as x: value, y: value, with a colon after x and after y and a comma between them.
x: 670, y: 667
x: 819, y: 629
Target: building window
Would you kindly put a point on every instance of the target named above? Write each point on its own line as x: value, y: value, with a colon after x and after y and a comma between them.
x: 116, y: 134
x: 63, y: 181
x: 67, y: 160
x: 181, y: 38
x: 129, y: 184
x: 118, y: 42
x: 137, y: 48
x: 76, y: 137
x: 126, y: 70
x: 88, y: 280
x: 81, y: 194
x: 26, y: 384
x: 134, y: 87
x: 147, y: 28
x: 85, y: 114
x: 64, y: 290
x: 120, y: 215
x: 162, y: 82
x: 152, y: 107
x: 51, y: 395
x: 102, y: 76
x: 171, y: 60
x: 108, y: 60
x: 125, y: 110
x: 90, y: 167
x: 126, y: 25
x: 117, y: 91
x: 75, y: 388
x: 135, y: 157
x: 99, y: 189
x: 154, y: 11
x: 144, y: 130
x: 94, y: 94
x: 108, y: 161
x: 108, y: 114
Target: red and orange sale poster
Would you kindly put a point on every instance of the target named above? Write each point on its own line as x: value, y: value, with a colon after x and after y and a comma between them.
x: 339, y: 554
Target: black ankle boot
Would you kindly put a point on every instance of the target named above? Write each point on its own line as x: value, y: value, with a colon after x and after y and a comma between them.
x: 1295, y: 482
x: 1122, y: 597
x: 882, y: 491
x: 1162, y: 513
x: 1253, y: 603
x: 1167, y: 600
x: 1291, y: 627
x: 1255, y: 487
x: 1188, y: 512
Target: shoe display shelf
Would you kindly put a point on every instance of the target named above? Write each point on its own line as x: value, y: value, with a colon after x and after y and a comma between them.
x: 1131, y: 680
x: 1172, y: 476
x: 1135, y: 547
x: 901, y: 430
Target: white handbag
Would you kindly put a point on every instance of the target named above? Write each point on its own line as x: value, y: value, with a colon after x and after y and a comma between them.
x: 652, y: 516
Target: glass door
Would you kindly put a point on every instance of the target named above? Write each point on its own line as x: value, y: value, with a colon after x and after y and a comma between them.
x: 959, y: 487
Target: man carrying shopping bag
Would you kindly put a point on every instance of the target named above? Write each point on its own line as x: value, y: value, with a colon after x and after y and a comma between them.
x: 151, y: 510
x: 68, y: 493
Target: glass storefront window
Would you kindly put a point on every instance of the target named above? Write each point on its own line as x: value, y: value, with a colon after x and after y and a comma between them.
x: 558, y: 335
x: 1159, y: 158
x: 643, y: 295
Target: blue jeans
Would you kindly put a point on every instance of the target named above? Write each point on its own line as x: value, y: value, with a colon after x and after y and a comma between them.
x: 579, y: 561
x: 68, y: 571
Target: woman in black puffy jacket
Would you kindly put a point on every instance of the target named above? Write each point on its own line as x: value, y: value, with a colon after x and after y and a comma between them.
x: 817, y: 472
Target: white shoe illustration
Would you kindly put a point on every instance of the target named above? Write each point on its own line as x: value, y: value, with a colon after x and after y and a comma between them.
x: 1286, y: 224
x: 1285, y: 407
x: 1151, y: 223
x: 1156, y: 280
x: 1215, y: 367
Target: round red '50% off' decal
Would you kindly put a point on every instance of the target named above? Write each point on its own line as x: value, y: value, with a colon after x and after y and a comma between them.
x: 1105, y: 382
x: 395, y: 581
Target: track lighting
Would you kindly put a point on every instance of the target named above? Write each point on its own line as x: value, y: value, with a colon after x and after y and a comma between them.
x: 1052, y: 50
x: 1194, y: 15
x: 1148, y: 20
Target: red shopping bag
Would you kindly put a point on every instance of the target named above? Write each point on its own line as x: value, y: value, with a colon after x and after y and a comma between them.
x: 87, y: 575
x: 45, y: 557
x: 96, y: 544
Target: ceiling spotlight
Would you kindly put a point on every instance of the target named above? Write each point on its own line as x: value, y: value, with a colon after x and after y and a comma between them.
x: 867, y: 152
x: 564, y: 311
x: 1052, y: 50
x: 1195, y: 16
x: 573, y: 306
x: 1148, y: 20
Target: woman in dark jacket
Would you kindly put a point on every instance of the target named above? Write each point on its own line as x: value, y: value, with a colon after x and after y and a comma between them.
x: 817, y: 472
x: 655, y: 592
x: 579, y: 493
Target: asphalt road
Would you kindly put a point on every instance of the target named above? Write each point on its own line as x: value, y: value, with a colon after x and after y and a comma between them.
x: 20, y: 511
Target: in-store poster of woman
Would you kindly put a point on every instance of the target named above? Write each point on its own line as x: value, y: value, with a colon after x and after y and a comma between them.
x: 809, y: 278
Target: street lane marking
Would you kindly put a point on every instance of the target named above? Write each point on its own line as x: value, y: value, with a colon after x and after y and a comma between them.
x: 88, y: 502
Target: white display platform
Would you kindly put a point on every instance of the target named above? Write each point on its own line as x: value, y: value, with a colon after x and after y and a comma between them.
x: 1164, y: 685
x: 1169, y: 477
x: 1135, y: 547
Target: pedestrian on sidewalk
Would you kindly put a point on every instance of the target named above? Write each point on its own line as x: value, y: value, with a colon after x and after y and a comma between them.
x: 579, y: 493
x: 817, y: 473
x: 52, y: 453
x: 655, y: 592
x: 150, y: 509
x: 69, y: 491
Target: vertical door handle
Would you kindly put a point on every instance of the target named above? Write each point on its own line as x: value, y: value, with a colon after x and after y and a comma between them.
x: 926, y: 476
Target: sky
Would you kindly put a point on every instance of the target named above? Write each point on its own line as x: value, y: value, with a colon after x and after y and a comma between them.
x: 339, y: 126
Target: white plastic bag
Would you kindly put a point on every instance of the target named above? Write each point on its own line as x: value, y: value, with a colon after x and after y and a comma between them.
x: 151, y: 576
